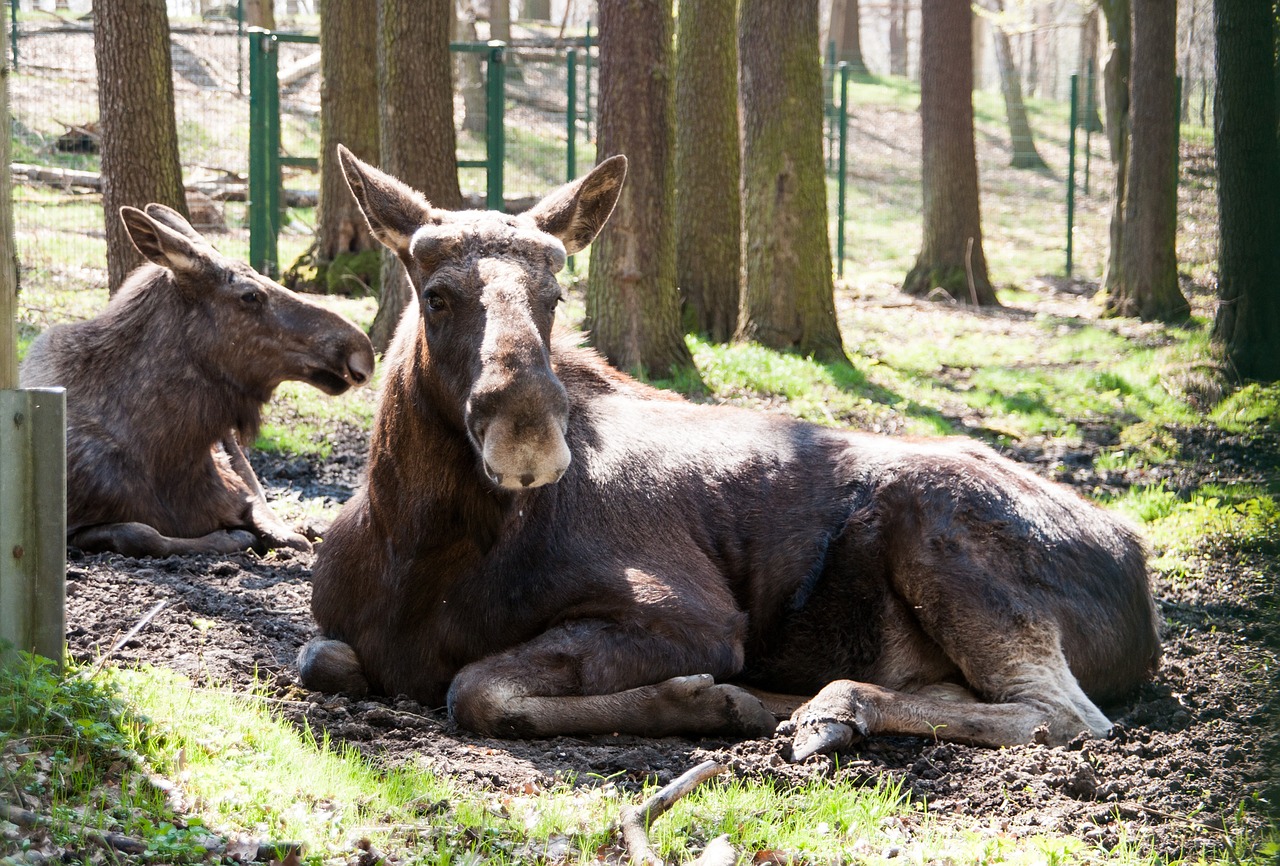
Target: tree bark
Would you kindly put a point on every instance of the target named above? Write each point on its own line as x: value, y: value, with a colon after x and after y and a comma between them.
x: 1115, y: 79
x: 951, y: 256
x: 415, y: 125
x: 1245, y: 141
x: 139, y: 153
x: 349, y: 116
x: 475, y: 110
x: 846, y: 32
x: 1021, y: 138
x: 500, y: 20
x: 633, y: 307
x: 708, y: 160
x: 1148, y: 286
x: 788, y: 292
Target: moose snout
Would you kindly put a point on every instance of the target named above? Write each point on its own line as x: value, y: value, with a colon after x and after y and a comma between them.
x: 519, y: 433
x: 360, y: 364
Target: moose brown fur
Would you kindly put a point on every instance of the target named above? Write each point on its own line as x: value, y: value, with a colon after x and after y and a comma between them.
x: 164, y: 385
x: 553, y: 548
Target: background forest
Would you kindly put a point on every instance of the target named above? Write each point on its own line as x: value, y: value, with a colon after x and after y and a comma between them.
x: 852, y: 211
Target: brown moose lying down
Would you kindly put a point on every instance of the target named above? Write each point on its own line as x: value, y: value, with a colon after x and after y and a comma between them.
x: 553, y: 548
x: 164, y: 385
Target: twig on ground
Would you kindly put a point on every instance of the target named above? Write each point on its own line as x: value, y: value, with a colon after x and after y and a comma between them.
x: 635, y: 820
x: 128, y: 636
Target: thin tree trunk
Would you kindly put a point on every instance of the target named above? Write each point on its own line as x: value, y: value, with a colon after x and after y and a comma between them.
x: 260, y: 13
x: 140, y: 161
x: 1115, y: 77
x: 1021, y: 137
x: 951, y: 255
x: 846, y: 32
x: 788, y: 292
x: 475, y: 117
x: 708, y: 160
x: 349, y: 116
x: 1245, y: 141
x: 500, y: 20
x: 898, y: 37
x: 633, y: 307
x: 1088, y: 107
x: 1149, y: 267
x: 415, y: 129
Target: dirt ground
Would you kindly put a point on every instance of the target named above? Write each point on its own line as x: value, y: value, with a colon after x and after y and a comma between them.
x: 1188, y: 768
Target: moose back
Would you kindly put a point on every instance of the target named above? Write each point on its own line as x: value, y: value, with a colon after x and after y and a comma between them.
x: 551, y: 547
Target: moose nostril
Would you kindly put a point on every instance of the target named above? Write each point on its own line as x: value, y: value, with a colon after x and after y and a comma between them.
x: 526, y: 479
x: 359, y: 369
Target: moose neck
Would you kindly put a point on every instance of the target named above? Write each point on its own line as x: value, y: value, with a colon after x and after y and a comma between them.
x: 163, y: 340
x: 420, y: 454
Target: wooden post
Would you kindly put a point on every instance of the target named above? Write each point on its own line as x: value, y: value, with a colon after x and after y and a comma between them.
x: 33, y: 520
x: 33, y: 467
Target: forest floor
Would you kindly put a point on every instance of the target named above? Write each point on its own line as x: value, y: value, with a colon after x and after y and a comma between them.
x: 1186, y: 769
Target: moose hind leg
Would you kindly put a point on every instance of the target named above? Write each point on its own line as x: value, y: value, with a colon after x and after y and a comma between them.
x: 139, y: 539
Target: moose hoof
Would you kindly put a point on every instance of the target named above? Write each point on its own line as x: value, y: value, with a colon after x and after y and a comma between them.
x: 327, y: 665
x: 725, y: 708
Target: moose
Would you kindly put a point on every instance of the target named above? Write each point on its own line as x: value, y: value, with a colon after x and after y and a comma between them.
x: 547, y: 546
x: 166, y: 383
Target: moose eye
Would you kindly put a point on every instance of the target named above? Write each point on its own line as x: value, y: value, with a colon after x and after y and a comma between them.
x: 435, y: 301
x: 252, y: 298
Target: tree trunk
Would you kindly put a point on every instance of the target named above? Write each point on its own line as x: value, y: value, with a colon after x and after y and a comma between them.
x: 951, y: 256
x: 1248, y: 320
x: 633, y: 307
x: 1021, y: 137
x: 1115, y: 79
x: 348, y: 115
x: 788, y: 294
x: 898, y: 37
x: 708, y: 160
x: 140, y: 161
x: 260, y: 13
x: 1148, y: 287
x: 415, y: 125
x: 846, y: 32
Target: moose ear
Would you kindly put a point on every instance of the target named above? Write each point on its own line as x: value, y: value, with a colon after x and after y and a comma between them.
x: 174, y: 220
x: 577, y: 211
x: 160, y: 244
x: 393, y: 210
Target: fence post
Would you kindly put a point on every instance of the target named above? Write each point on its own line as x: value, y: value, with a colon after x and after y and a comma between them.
x: 1071, y: 166
x: 586, y: 82
x: 264, y: 137
x: 33, y: 470
x: 496, y: 138
x: 571, y: 114
x: 33, y: 520
x: 841, y: 161
x: 13, y: 30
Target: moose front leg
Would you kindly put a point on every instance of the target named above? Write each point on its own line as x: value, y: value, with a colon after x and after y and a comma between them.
x: 582, y: 678
x: 269, y: 528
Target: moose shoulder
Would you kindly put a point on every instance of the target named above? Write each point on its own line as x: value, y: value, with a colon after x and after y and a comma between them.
x: 164, y: 385
x: 555, y: 548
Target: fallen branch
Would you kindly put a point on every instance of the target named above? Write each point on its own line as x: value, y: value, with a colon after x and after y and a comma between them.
x: 264, y: 852
x: 128, y: 636
x: 635, y: 820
